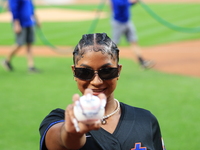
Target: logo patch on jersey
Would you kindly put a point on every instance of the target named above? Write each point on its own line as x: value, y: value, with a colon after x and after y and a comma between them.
x: 138, y: 147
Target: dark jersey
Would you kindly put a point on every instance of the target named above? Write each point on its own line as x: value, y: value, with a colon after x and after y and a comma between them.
x: 137, y: 129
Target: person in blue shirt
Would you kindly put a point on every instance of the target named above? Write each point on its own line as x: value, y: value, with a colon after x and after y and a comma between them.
x: 24, y: 20
x: 122, y: 25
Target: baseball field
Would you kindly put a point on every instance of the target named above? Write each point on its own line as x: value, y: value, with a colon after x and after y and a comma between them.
x: 170, y: 90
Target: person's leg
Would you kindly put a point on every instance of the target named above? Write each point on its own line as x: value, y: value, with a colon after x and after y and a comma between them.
x: 30, y: 37
x: 137, y: 51
x: 132, y: 38
x: 30, y: 60
x: 30, y: 40
x: 20, y: 39
x: 7, y: 62
x: 135, y: 48
x: 117, y: 31
x: 12, y: 53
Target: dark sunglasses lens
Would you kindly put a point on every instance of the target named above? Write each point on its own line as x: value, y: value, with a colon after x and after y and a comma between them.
x: 84, y: 73
x: 108, y: 73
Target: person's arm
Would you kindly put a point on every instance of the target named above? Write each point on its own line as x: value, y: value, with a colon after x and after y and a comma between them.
x: 64, y: 135
x: 38, y: 24
x: 58, y: 138
x: 17, y: 26
x: 157, y: 137
x: 133, y: 2
x: 13, y: 6
x: 35, y: 16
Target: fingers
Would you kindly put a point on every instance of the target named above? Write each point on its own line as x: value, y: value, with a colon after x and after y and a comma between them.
x: 103, y: 99
x: 102, y: 96
x: 17, y: 30
x: 75, y: 97
x: 88, y: 91
x: 75, y: 122
x: 72, y: 125
x: 84, y: 128
x: 69, y: 125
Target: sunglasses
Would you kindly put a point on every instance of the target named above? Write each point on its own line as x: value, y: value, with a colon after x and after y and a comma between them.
x: 88, y: 74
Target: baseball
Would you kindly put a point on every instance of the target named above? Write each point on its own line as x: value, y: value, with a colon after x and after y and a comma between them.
x: 89, y: 108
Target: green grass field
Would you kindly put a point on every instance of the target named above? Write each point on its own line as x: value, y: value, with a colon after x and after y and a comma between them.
x: 27, y: 98
x: 150, y: 32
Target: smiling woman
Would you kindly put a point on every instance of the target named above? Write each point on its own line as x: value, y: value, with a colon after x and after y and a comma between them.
x: 98, y: 56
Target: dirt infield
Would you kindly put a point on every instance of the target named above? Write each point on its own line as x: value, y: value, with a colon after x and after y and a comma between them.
x: 178, y: 58
x: 56, y: 14
x: 146, y: 1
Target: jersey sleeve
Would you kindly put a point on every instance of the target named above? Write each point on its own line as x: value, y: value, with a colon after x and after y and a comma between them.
x: 33, y: 8
x: 157, y: 137
x: 54, y: 117
x: 13, y: 7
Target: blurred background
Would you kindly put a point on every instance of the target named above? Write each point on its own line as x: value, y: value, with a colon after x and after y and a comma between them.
x: 27, y: 98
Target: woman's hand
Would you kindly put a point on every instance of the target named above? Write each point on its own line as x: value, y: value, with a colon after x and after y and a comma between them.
x: 71, y: 123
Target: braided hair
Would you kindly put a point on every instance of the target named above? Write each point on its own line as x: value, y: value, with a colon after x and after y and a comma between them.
x: 95, y: 41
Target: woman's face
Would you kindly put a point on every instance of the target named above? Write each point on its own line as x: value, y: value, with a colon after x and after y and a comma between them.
x: 97, y: 60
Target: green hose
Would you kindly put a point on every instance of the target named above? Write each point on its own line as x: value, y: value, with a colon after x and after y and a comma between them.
x: 166, y: 23
x: 95, y: 21
x: 1, y: 6
x: 49, y: 44
x: 69, y: 50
